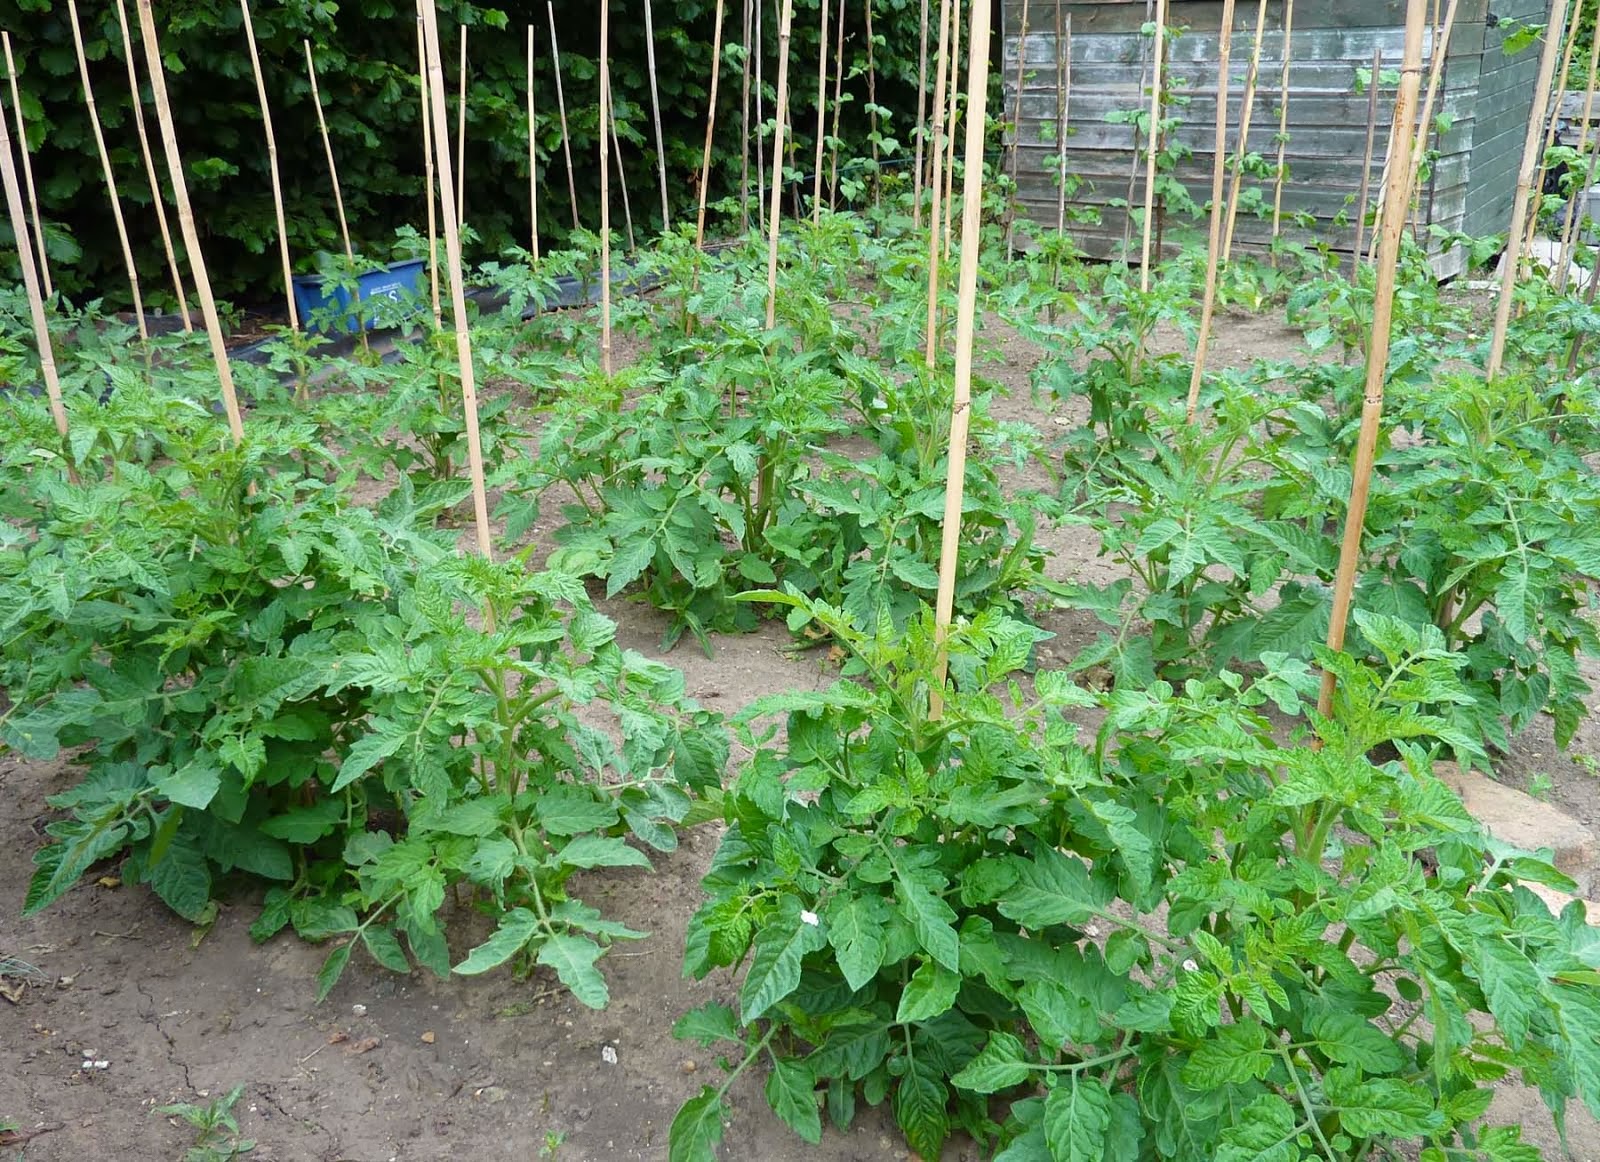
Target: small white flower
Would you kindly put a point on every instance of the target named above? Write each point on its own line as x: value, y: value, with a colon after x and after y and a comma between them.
x: 1190, y: 966
x: 808, y: 918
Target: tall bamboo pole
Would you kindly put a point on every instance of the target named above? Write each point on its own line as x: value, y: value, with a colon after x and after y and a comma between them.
x: 711, y: 124
x: 622, y: 180
x: 872, y: 104
x: 191, y: 236
x: 1063, y: 115
x: 427, y: 171
x: 333, y: 169
x: 452, y: 248
x: 931, y: 347
x: 30, y: 281
x: 1208, y: 305
x: 605, y: 188
x: 1397, y: 197
x: 1152, y: 140
x: 921, y: 131
x: 775, y: 213
x: 1570, y: 41
x: 761, y: 121
x: 1016, y: 125
x: 1283, y: 127
x: 533, y: 160
x: 1525, y: 178
x: 655, y: 103
x: 27, y: 169
x: 822, y: 115
x: 105, y: 168
x: 1366, y: 166
x: 1245, y: 116
x: 1587, y: 161
x: 150, y: 169
x: 838, y: 104
x: 461, y: 133
x: 950, y: 117
x: 561, y: 107
x: 272, y: 169
x: 1133, y: 152
x: 966, y: 323
x: 744, y: 126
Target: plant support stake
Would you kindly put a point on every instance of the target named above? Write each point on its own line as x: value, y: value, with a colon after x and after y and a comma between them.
x: 333, y: 174
x: 775, y: 215
x: 838, y: 105
x: 966, y: 322
x: 605, y: 188
x: 936, y: 148
x: 1245, y: 116
x: 461, y: 133
x: 921, y: 130
x: 1016, y: 126
x: 1397, y: 197
x: 272, y: 167
x: 1282, y: 172
x: 1366, y: 166
x: 1586, y: 161
x: 1570, y: 42
x: 950, y: 118
x: 822, y: 115
x: 427, y: 171
x: 655, y: 103
x: 711, y: 123
x: 1063, y: 113
x: 27, y: 168
x: 561, y: 108
x: 1152, y: 140
x: 533, y: 160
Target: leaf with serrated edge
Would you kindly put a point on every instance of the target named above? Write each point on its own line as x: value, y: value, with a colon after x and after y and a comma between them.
x: 1001, y: 1065
x: 697, y: 1128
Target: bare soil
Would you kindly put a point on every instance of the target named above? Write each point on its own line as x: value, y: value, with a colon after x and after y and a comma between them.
x: 395, y: 1068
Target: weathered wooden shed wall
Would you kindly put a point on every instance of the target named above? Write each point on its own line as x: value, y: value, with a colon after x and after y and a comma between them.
x: 1487, y: 98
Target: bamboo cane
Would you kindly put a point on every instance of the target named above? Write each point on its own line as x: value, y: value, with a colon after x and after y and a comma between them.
x: 921, y: 131
x: 1366, y: 165
x: 1525, y: 177
x: 775, y: 215
x: 333, y: 174
x: 1562, y: 74
x: 150, y: 169
x: 655, y: 104
x: 1016, y: 125
x: 461, y: 134
x: 1576, y: 195
x: 1208, y: 306
x: 1576, y: 349
x: 427, y: 171
x: 452, y: 247
x: 872, y: 105
x: 931, y: 347
x: 272, y: 169
x: 950, y: 117
x: 1133, y: 152
x: 1283, y: 127
x: 744, y: 126
x: 966, y: 322
x: 622, y: 179
x: 1245, y: 115
x: 1436, y: 67
x: 838, y: 105
x: 561, y: 107
x: 822, y: 115
x: 1063, y: 115
x: 191, y: 236
x: 761, y: 121
x: 30, y: 279
x: 711, y: 124
x: 1152, y: 140
x: 27, y: 169
x: 605, y: 188
x: 105, y: 168
x: 533, y: 160
x: 1397, y: 196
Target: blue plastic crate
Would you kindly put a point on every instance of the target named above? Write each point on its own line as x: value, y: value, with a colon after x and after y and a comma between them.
x: 399, y: 282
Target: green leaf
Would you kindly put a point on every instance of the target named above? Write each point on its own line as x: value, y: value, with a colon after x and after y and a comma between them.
x: 630, y: 560
x: 332, y: 968
x: 1002, y: 1065
x: 1380, y: 1107
x: 709, y: 1023
x: 1051, y: 889
x: 931, y: 990
x: 365, y: 753
x: 194, y: 784
x: 182, y: 878
x: 697, y: 1128
x: 1077, y: 1117
x: 856, y: 931
x: 931, y: 918
x: 573, y: 959
x: 517, y: 927
x: 1350, y: 1039
x: 1234, y: 1055
x: 591, y: 851
x: 384, y: 946
x: 919, y: 1107
x: 1511, y: 984
x: 568, y: 810
x: 1265, y: 1132
x: 774, y: 970
x: 305, y: 825
x: 792, y: 1094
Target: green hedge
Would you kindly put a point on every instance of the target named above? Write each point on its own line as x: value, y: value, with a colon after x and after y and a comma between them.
x: 365, y: 52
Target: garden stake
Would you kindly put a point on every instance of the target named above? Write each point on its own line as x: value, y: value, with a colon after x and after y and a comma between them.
x: 533, y: 160
x: 1366, y: 166
x: 1525, y: 177
x: 1436, y: 67
x: 333, y: 172
x: 744, y: 128
x: 1283, y: 128
x: 1562, y: 74
x: 1588, y: 171
x: 921, y: 130
x: 458, y: 303
x: 1245, y: 114
x: 272, y: 168
x: 461, y: 134
x: 1133, y: 158
x: 605, y: 189
x: 761, y: 121
x: 30, y: 281
x: 872, y: 111
x: 930, y: 353
x: 427, y: 171
x: 1151, y: 140
x: 1397, y: 197
x: 561, y: 107
x: 711, y: 124
x: 655, y: 104
x: 191, y: 236
x: 622, y: 173
x: 1208, y: 306
x: 838, y: 99
x: 150, y: 168
x: 775, y: 215
x: 950, y: 124
x: 27, y: 167
x: 822, y: 114
x: 966, y: 320
x: 1063, y: 114
x: 105, y: 168
x: 1016, y: 127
